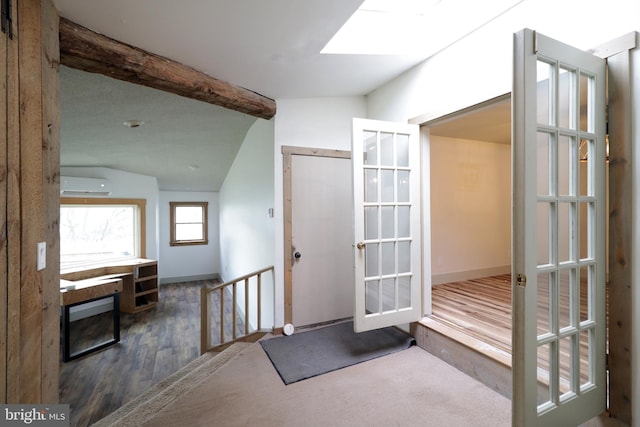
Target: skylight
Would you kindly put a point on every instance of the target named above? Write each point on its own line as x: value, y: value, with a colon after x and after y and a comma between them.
x: 412, y: 27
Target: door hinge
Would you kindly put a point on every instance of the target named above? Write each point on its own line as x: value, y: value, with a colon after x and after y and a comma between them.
x: 521, y: 280
x: 7, y: 18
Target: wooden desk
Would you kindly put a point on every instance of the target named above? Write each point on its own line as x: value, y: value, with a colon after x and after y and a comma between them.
x: 139, y: 280
x: 82, y: 292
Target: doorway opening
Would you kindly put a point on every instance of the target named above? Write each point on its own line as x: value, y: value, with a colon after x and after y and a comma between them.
x: 471, y: 198
x: 318, y: 276
x: 470, y: 155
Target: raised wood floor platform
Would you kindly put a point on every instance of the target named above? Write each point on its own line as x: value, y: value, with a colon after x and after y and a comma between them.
x: 470, y: 328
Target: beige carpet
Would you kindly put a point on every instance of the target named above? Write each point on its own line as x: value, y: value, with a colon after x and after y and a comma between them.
x: 171, y: 388
x: 408, y: 388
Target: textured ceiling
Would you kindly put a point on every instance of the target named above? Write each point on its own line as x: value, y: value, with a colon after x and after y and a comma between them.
x: 187, y: 145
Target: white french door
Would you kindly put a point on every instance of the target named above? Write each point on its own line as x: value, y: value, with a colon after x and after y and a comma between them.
x: 386, y: 190
x: 558, y: 233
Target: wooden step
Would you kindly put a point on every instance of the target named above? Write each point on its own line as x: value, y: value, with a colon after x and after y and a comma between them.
x: 170, y: 388
x: 484, y: 362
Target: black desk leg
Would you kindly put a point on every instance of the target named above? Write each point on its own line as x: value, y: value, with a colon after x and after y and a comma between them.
x: 116, y: 318
x: 66, y: 350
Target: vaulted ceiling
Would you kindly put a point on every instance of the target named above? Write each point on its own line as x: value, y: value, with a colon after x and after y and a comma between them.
x: 272, y: 48
x: 269, y: 47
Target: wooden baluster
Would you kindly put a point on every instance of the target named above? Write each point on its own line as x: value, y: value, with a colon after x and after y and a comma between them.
x: 246, y: 306
x: 221, y: 315
x: 259, y: 301
x: 205, y: 312
x: 204, y: 320
x: 233, y: 311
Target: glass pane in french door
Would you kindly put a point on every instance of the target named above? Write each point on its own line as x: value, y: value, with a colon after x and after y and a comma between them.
x: 565, y: 213
x: 387, y: 214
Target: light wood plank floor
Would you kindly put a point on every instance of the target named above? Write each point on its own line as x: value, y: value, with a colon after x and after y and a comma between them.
x: 481, y: 308
x: 154, y: 344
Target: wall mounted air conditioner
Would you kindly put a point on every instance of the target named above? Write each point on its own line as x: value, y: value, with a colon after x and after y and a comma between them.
x: 78, y: 186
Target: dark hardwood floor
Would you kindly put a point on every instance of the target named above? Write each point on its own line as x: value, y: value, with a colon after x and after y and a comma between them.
x: 154, y: 344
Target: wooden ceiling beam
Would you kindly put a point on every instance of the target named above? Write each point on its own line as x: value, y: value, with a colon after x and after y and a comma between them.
x: 87, y: 50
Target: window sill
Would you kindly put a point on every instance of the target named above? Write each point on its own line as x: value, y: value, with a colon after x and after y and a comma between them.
x: 189, y: 243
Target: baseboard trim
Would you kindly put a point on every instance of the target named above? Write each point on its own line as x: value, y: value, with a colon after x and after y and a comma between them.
x: 180, y: 279
x: 458, y: 276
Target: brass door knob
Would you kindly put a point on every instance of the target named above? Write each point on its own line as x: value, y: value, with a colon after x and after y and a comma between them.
x: 360, y: 245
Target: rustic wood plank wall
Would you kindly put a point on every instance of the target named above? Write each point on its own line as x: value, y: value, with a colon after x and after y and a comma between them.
x: 13, y: 219
x: 51, y: 180
x: 4, y: 39
x: 31, y: 190
x: 620, y: 214
x: 620, y: 327
x: 31, y: 198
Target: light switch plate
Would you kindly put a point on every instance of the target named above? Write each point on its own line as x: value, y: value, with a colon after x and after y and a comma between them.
x: 42, y: 256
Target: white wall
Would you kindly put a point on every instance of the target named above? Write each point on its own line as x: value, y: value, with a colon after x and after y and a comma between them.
x: 246, y: 229
x: 193, y: 262
x: 478, y: 67
x: 246, y: 236
x: 470, y: 209
x: 318, y: 123
x: 132, y: 186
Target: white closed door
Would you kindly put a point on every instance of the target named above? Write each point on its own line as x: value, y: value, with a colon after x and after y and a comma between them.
x: 387, y: 232
x: 321, y: 227
x: 559, y: 218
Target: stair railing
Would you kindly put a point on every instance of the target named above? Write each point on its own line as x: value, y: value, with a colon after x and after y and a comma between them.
x: 206, y: 316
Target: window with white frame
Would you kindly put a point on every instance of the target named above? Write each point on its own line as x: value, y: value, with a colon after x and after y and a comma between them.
x: 188, y: 223
x: 95, y: 230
